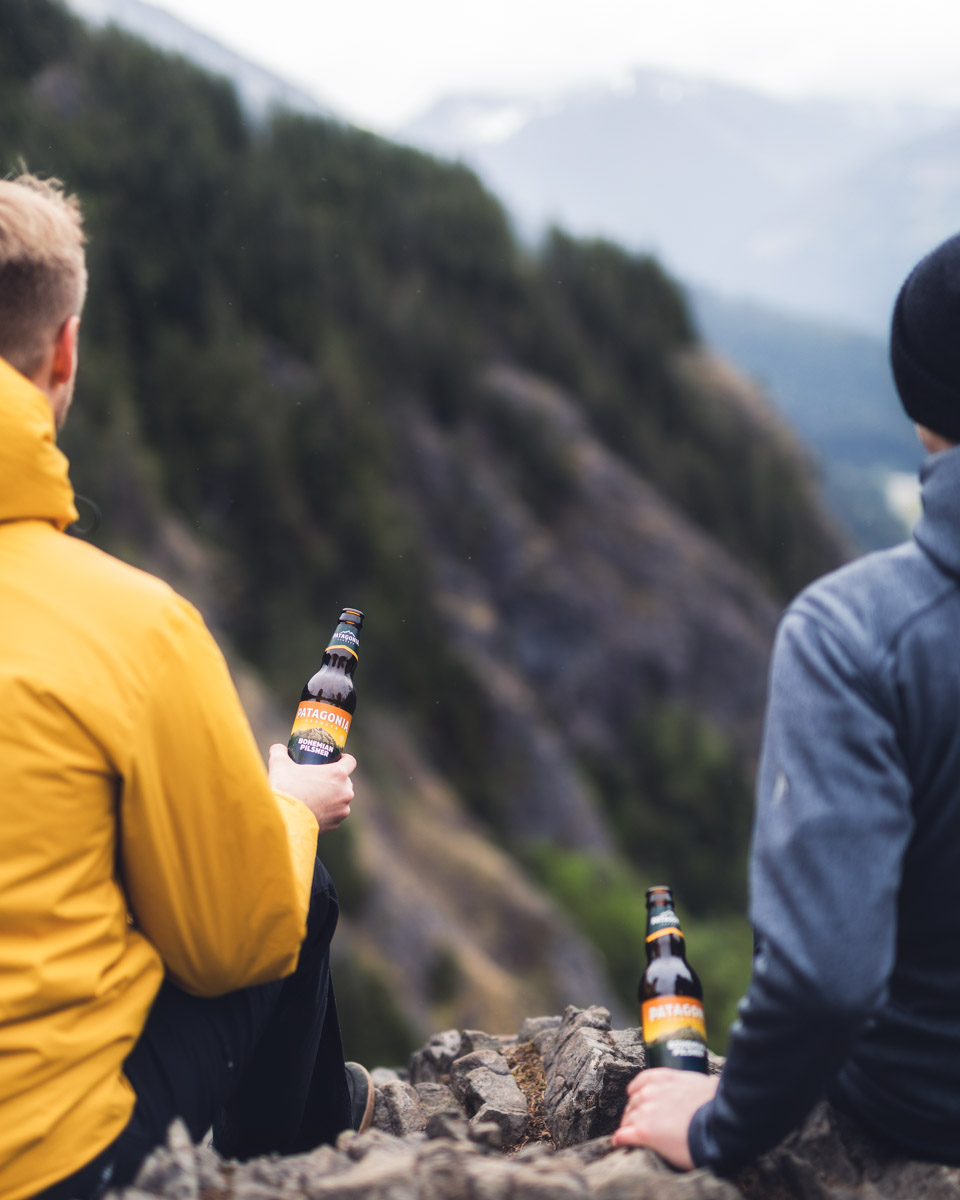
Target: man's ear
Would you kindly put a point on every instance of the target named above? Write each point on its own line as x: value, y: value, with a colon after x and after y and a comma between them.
x: 64, y: 365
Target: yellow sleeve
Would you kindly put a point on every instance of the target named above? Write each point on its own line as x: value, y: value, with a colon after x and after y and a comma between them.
x: 301, y: 827
x: 216, y: 866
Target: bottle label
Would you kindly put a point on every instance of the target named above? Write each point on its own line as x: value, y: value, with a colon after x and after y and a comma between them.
x: 661, y: 919
x: 345, y: 638
x: 319, y: 732
x: 675, y: 1033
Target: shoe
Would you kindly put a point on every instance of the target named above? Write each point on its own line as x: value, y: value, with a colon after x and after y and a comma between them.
x: 361, y: 1092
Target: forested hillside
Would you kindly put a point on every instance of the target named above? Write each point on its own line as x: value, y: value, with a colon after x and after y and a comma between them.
x: 318, y: 369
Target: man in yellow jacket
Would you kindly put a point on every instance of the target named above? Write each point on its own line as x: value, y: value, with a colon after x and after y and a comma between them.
x: 164, y: 921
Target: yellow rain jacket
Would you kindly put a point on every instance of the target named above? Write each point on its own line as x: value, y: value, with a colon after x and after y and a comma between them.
x: 138, y: 832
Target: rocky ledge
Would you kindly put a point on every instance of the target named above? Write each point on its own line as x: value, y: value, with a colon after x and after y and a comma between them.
x: 529, y: 1117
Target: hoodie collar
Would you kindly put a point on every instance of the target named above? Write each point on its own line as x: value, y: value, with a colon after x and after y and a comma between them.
x: 938, y: 530
x: 34, y: 478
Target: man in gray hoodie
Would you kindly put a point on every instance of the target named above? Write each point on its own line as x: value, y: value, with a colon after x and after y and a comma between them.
x: 855, y: 868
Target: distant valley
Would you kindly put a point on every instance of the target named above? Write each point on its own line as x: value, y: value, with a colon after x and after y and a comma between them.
x: 835, y: 388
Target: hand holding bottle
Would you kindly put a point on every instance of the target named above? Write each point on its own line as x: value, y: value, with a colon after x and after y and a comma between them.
x: 663, y: 1098
x: 325, y: 789
x: 659, y: 1110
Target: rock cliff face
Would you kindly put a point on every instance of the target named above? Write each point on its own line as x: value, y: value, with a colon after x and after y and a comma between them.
x: 528, y: 1117
x: 574, y: 613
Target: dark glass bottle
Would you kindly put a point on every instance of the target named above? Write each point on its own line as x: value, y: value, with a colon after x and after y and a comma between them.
x: 329, y: 699
x: 670, y: 994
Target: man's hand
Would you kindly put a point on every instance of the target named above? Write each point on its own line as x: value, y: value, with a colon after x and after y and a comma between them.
x: 325, y: 788
x: 661, y: 1106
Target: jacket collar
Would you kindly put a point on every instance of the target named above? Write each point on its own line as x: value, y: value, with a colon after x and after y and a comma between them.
x: 938, y: 530
x: 34, y: 479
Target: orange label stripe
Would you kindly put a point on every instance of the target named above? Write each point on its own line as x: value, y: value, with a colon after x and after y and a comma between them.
x: 338, y: 646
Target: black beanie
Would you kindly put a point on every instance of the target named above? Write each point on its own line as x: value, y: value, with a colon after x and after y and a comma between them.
x: 925, y: 341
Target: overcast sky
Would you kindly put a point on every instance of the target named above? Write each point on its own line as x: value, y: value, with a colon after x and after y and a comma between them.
x: 381, y: 61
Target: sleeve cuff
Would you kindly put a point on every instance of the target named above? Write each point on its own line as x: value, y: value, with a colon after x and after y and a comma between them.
x: 703, y: 1149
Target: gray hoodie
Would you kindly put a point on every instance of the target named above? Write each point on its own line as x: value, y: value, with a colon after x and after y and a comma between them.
x: 855, y: 869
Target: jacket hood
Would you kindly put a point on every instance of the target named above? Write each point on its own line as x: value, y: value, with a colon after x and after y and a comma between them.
x: 34, y: 474
x: 938, y: 530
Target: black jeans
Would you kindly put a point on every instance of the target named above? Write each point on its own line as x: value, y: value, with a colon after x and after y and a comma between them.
x: 263, y: 1066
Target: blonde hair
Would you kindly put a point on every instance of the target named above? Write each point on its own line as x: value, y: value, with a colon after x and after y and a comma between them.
x: 43, y: 272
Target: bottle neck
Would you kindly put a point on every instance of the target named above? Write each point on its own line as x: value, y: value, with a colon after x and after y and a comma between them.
x: 343, y: 648
x: 665, y: 944
x: 336, y: 656
x: 664, y: 935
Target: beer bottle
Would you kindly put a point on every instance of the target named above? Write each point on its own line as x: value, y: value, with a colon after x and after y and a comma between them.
x: 670, y: 994
x: 329, y: 699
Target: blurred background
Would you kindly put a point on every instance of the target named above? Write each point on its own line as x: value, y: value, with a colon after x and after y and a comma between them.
x: 552, y: 336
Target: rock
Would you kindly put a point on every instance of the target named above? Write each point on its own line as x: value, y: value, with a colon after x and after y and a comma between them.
x: 357, y: 1146
x: 485, y: 1134
x: 642, y: 1175
x: 533, y: 1151
x: 432, y: 1064
x: 475, y: 1039
x: 210, y: 1176
x: 444, y: 1125
x: 587, y: 1074
x: 325, y: 1160
x: 268, y: 1179
x: 501, y: 1179
x: 584, y: 1152
x: 546, y: 1180
x: 298, y: 1176
x: 171, y: 1170
x: 534, y: 1029
x: 490, y: 1180
x: 438, y: 1172
x: 832, y: 1157
x: 380, y: 1175
x: 441, y: 1170
x: 628, y: 1043
x: 271, y: 1172
x: 432, y: 1141
x: 245, y: 1188
x: 381, y: 1075
x: 489, y: 1061
x: 485, y: 1086
x: 456, y: 1171
x: 437, y: 1098
x: 397, y: 1109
